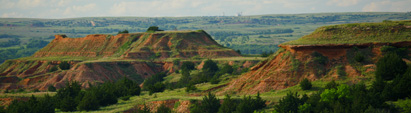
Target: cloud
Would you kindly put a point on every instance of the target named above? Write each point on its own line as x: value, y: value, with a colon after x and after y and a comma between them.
x: 343, y: 3
x: 75, y: 10
x: 387, y: 5
x: 11, y: 15
x: 24, y: 4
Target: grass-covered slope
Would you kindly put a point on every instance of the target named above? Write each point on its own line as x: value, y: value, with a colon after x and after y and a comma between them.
x: 357, y: 33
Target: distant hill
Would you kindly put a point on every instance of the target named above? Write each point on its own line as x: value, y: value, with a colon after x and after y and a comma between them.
x: 347, y: 51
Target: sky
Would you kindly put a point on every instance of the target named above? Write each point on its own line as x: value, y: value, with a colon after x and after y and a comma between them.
x: 180, y: 8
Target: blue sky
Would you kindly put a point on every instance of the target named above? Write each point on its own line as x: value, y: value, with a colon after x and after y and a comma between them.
x: 178, y: 8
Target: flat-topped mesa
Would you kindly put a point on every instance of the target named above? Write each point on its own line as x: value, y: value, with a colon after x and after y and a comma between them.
x: 90, y: 46
x: 163, y: 44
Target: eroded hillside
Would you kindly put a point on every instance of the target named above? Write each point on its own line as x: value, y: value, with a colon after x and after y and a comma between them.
x: 331, y: 52
x: 99, y: 58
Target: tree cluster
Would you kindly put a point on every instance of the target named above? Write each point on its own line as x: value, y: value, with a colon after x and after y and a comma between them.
x: 155, y: 83
x: 210, y: 104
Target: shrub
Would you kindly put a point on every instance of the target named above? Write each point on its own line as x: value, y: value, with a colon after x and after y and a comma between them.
x: 390, y: 66
x: 157, y: 87
x: 163, y: 109
x: 54, y: 68
x: 125, y: 98
x: 248, y: 105
x: 305, y: 84
x: 228, y: 106
x: 187, y: 66
x: 88, y: 102
x: 153, y: 29
x: 190, y: 87
x: 51, y: 88
x: 123, y: 32
x: 331, y: 85
x: 359, y: 57
x: 289, y: 103
x: 64, y: 65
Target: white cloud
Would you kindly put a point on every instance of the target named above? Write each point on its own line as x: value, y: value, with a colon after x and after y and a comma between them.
x: 343, y: 3
x: 24, y: 4
x: 387, y: 5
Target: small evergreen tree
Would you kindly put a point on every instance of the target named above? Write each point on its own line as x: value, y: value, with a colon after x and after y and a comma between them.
x: 305, y: 84
x: 210, y: 103
x: 64, y: 65
x: 228, y: 106
x: 331, y: 84
x: 89, y: 102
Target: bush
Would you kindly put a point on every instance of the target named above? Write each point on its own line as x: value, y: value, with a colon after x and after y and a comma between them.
x: 153, y: 29
x: 64, y: 65
x: 88, y: 102
x: 359, y: 57
x: 390, y: 66
x: 157, y: 87
x: 163, y: 109
x: 187, y: 66
x: 123, y: 32
x: 125, y: 98
x: 305, y: 84
x: 289, y: 103
x: 51, y: 88
x: 191, y: 87
x: 331, y: 85
x: 54, y: 68
x: 210, y: 104
x: 228, y: 106
x: 248, y: 105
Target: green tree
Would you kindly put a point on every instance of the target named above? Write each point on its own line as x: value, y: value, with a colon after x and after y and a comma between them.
x: 153, y: 29
x: 210, y: 103
x: 64, y: 65
x: 228, y: 106
x: 89, y: 102
x: 305, y: 84
x: 187, y: 66
x: 289, y: 103
x: 331, y: 85
x: 51, y: 88
x: 390, y: 66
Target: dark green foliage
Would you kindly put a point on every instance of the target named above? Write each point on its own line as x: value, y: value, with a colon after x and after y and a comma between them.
x: 36, y: 90
x: 126, y: 87
x: 191, y: 87
x: 157, y: 87
x: 319, y: 58
x: 210, y: 104
x: 402, y: 52
x: 51, y: 88
x: 359, y: 57
x: 248, y: 104
x: 238, y: 51
x: 187, y: 65
x: 289, y: 103
x: 6, y: 91
x: 54, y: 68
x: 33, y: 105
x: 159, y: 77
x: 123, y: 32
x: 64, y: 65
x: 227, y: 69
x: 229, y: 105
x: 88, y: 102
x: 331, y: 85
x: 305, y: 84
x: 10, y: 42
x: 163, y: 109
x: 65, y: 97
x: 390, y: 66
x: 125, y: 98
x: 176, y: 62
x: 153, y: 29
x: 210, y: 66
x: 34, y: 43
